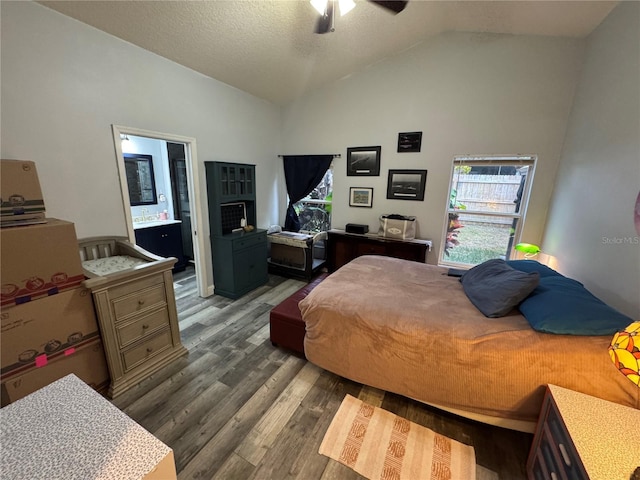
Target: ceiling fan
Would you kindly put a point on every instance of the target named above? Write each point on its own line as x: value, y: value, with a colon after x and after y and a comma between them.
x: 326, y: 8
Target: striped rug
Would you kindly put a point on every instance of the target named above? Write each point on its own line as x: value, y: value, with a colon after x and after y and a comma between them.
x: 382, y: 446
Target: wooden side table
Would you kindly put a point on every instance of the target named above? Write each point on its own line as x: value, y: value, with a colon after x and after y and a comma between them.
x: 582, y: 437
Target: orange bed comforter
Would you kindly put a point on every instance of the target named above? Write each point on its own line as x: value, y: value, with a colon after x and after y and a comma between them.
x: 408, y: 328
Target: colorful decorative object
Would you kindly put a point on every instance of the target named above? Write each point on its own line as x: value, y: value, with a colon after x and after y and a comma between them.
x: 625, y: 353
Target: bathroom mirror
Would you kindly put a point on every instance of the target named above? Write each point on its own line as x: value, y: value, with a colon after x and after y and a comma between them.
x: 140, y: 179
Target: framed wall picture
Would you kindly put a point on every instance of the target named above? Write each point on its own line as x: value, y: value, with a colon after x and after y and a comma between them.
x: 409, y: 142
x: 360, y: 197
x: 406, y: 184
x: 363, y: 161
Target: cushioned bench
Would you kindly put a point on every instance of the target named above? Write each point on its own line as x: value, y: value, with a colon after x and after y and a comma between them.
x: 285, y: 321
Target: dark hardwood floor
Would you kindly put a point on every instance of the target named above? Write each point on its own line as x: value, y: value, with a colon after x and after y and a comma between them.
x: 238, y: 408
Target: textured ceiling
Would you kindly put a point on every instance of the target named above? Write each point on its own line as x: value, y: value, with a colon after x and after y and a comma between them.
x: 268, y: 48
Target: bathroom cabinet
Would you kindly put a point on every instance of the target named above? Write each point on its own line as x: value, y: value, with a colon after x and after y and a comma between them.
x: 163, y: 239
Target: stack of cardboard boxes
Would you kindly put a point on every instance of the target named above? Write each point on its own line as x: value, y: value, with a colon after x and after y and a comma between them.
x: 49, y: 327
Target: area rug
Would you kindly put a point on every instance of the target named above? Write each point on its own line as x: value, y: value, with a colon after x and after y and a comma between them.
x: 382, y: 446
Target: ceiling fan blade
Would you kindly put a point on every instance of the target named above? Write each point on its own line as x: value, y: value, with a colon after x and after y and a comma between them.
x: 395, y: 6
x: 325, y: 22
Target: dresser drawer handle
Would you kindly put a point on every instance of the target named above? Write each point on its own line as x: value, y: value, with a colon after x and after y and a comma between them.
x: 149, y: 349
x: 145, y: 326
x: 565, y: 455
x: 140, y: 302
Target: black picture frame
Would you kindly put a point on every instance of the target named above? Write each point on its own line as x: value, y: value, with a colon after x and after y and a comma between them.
x: 363, y: 161
x: 406, y: 184
x: 361, y: 197
x: 409, y: 142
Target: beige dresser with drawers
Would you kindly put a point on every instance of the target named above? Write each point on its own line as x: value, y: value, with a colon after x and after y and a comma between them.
x: 136, y: 310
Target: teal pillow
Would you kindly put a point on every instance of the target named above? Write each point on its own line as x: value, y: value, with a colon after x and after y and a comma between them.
x: 495, y: 288
x: 533, y: 266
x: 562, y: 305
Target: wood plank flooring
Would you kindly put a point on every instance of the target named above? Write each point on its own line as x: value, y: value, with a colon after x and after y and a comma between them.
x: 238, y: 408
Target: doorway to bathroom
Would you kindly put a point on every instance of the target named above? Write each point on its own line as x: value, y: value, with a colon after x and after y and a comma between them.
x: 175, y: 209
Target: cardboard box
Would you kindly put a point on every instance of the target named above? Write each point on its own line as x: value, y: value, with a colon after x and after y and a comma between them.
x: 20, y: 191
x: 38, y: 260
x: 34, y: 332
x: 87, y: 362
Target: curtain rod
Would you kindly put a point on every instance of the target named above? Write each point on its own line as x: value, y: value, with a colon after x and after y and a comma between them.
x: 335, y: 155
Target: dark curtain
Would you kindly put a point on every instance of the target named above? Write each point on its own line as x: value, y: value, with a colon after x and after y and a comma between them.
x: 302, y: 174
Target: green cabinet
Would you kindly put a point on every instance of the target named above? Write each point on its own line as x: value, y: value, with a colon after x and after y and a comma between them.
x: 239, y: 258
x: 239, y: 262
x: 230, y: 189
x: 235, y: 181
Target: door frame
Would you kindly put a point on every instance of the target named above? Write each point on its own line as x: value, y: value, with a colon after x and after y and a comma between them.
x: 193, y: 185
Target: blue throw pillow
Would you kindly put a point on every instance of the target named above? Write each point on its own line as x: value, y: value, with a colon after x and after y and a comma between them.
x: 562, y: 305
x: 533, y: 266
x: 495, y: 288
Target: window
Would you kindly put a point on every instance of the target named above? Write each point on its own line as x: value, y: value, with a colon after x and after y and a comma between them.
x: 487, y: 205
x: 314, y: 210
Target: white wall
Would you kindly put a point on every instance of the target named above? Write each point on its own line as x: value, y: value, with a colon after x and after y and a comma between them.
x: 65, y: 83
x: 591, y: 226
x: 467, y: 93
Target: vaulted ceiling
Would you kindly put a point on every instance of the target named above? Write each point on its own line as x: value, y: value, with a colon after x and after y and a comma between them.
x: 268, y: 47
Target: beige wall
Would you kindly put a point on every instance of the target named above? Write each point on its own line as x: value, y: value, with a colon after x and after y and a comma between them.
x: 590, y: 228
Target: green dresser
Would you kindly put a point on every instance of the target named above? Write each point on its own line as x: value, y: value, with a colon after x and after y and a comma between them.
x: 239, y: 258
x: 239, y: 262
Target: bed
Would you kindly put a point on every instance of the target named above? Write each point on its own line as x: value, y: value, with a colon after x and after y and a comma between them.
x: 408, y: 328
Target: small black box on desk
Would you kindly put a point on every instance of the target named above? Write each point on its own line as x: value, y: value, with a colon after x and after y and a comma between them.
x: 357, y: 228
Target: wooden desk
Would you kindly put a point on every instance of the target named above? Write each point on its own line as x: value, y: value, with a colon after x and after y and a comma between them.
x: 342, y: 247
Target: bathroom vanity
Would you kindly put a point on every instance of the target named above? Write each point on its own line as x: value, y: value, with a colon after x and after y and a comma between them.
x: 162, y: 237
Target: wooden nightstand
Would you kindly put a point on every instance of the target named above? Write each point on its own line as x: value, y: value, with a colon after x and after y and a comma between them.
x: 582, y: 437
x: 136, y: 309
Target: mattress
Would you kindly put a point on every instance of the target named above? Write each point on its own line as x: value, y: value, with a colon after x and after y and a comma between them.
x: 408, y: 328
